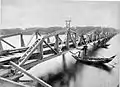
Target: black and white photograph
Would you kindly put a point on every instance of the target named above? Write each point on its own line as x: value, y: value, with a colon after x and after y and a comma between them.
x: 59, y: 43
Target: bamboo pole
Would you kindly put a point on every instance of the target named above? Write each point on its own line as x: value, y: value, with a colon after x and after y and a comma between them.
x: 30, y: 75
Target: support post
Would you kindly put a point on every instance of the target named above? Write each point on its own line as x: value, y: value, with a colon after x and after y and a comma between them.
x: 75, y: 38
x: 1, y: 47
x: 57, y: 43
x: 29, y: 51
x: 41, y: 50
x: 38, y: 48
x: 68, y: 32
x: 48, y: 40
x: 22, y: 41
x: 8, y: 43
x: 30, y: 75
x: 64, y: 62
x: 68, y: 38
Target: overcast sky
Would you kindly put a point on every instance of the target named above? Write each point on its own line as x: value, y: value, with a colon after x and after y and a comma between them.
x: 46, y: 13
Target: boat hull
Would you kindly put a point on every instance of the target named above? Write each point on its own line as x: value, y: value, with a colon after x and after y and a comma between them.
x: 94, y: 60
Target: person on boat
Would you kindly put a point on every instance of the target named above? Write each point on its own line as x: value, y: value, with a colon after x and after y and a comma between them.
x: 99, y: 42
x: 79, y: 54
x: 85, y: 48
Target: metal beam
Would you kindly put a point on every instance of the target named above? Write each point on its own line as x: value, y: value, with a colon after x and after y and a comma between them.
x: 30, y: 75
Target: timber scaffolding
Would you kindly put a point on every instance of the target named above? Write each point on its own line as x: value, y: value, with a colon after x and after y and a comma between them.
x: 18, y: 59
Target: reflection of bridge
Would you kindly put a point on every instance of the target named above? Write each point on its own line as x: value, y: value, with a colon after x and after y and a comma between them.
x: 45, y: 49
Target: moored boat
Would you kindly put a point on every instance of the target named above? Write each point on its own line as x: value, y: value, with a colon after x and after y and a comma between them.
x: 94, y: 60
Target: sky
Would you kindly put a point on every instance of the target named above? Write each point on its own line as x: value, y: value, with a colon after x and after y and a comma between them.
x: 49, y: 13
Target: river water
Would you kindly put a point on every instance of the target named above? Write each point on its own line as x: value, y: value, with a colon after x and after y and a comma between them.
x: 75, y: 74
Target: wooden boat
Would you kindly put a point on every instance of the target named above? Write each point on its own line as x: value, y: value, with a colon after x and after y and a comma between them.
x: 94, y: 60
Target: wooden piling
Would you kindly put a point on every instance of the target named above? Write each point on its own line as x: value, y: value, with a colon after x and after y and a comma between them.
x: 68, y: 38
x: 1, y: 47
x: 38, y: 48
x: 30, y: 75
x: 57, y: 42
x: 22, y: 41
x: 41, y: 50
x: 48, y: 40
x: 75, y: 39
x: 64, y: 62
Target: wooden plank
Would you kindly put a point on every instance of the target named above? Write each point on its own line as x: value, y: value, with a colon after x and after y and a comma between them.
x: 22, y: 41
x: 41, y: 50
x: 31, y: 38
x: 29, y: 51
x: 9, y: 83
x: 30, y: 75
x: 33, y: 63
x: 57, y: 43
x: 50, y: 47
x: 68, y: 38
x: 9, y: 35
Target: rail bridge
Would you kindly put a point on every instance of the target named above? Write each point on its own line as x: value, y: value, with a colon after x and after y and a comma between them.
x: 42, y: 49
